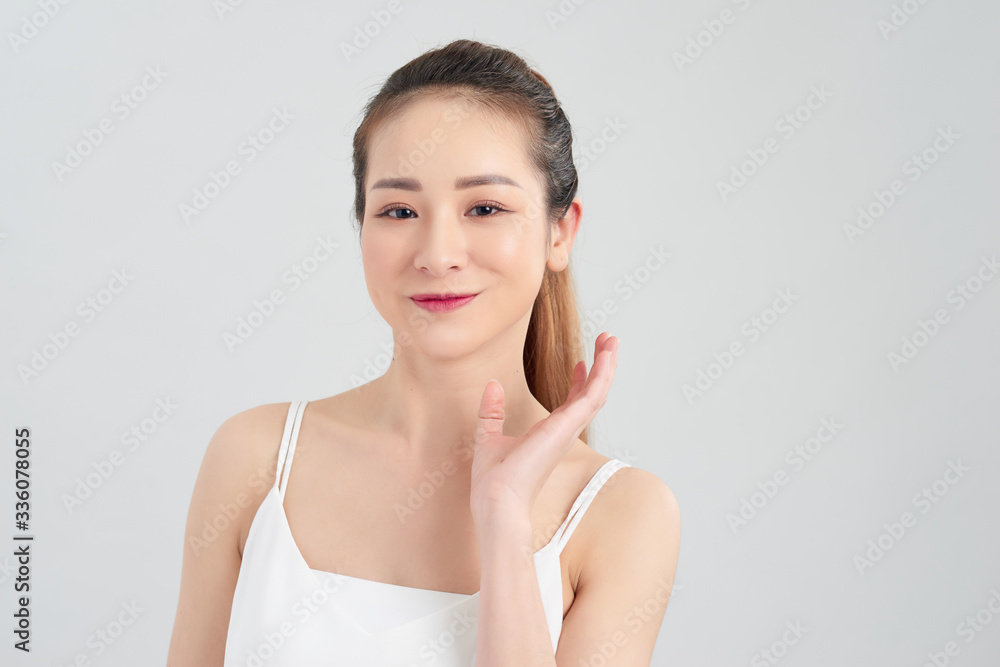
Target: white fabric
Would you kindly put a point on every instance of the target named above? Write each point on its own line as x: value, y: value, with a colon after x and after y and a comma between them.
x: 286, y: 614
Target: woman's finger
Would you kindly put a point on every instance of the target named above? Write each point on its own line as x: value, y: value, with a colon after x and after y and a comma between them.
x: 491, y: 411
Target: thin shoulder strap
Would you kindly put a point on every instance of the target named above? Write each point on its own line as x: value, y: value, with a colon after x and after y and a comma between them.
x: 287, y: 449
x: 583, y: 501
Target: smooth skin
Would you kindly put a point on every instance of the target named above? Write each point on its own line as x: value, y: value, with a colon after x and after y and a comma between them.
x: 518, y: 467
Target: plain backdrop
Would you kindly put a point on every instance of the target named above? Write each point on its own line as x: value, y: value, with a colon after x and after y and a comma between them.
x: 820, y: 176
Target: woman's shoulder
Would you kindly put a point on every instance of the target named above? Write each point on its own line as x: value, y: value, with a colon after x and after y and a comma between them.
x: 239, y: 466
x: 631, y: 481
x: 250, y: 438
x: 243, y: 452
x: 636, y: 513
x: 630, y: 502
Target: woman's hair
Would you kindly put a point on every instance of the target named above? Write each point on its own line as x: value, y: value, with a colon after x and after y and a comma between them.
x: 502, y: 85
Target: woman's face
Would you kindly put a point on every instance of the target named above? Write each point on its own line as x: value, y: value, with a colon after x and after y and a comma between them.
x: 426, y: 230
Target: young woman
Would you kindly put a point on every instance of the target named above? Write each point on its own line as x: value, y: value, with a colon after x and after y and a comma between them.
x: 428, y: 516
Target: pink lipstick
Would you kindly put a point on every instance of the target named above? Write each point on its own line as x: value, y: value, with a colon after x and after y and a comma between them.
x: 442, y: 303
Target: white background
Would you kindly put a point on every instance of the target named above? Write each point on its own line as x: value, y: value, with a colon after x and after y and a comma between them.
x: 682, y: 129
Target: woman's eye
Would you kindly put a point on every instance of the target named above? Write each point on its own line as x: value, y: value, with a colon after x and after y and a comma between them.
x: 480, y: 211
x: 386, y: 212
x: 496, y: 208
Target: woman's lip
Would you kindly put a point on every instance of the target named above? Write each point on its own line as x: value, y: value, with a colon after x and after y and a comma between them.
x: 430, y: 297
x: 443, y: 305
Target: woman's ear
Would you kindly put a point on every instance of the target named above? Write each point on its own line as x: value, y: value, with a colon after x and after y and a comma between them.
x: 563, y: 234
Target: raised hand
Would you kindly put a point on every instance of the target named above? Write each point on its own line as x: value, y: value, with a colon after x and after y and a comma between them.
x: 509, y: 472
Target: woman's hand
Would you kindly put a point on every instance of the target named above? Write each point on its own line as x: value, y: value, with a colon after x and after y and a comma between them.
x: 509, y: 472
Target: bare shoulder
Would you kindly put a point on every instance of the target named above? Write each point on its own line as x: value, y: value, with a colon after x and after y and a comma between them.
x: 241, y: 459
x: 636, y: 521
x: 637, y: 489
x: 628, y: 561
x: 236, y: 472
x: 248, y: 441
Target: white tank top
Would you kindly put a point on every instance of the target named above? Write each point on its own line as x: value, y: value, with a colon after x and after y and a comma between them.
x: 287, y: 614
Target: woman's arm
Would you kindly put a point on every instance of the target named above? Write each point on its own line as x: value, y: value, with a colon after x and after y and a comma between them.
x: 626, y: 575
x: 630, y: 552
x: 211, y: 560
x: 511, y: 627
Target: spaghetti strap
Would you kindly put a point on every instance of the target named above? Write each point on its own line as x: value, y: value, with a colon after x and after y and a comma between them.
x: 363, y: 621
x: 287, y: 449
x: 583, y: 501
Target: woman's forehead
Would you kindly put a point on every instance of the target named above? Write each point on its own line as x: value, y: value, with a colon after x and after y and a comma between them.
x: 425, y: 142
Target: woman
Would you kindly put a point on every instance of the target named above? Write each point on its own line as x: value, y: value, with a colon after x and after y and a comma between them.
x: 428, y: 516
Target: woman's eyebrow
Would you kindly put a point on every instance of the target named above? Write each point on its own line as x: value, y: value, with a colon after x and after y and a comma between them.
x: 460, y: 183
x: 484, y: 179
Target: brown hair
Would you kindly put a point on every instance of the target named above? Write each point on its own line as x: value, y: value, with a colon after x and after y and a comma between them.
x: 503, y: 85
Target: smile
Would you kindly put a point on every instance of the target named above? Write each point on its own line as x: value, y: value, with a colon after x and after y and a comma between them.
x: 439, y: 304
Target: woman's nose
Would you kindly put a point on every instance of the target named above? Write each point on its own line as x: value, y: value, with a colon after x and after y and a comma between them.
x: 441, y: 245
